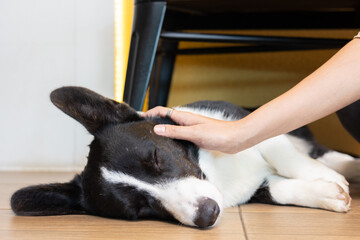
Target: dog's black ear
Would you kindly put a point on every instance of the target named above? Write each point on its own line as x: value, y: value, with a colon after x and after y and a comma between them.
x: 91, y: 109
x: 49, y: 199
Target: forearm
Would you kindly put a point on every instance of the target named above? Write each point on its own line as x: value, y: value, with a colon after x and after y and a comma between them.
x: 330, y: 88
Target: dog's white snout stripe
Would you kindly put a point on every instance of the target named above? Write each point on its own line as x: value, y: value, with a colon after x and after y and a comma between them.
x: 180, y: 197
x: 119, y: 177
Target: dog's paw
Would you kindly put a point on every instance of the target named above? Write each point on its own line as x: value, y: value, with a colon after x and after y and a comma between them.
x: 319, y: 171
x: 330, y: 196
x: 343, y: 164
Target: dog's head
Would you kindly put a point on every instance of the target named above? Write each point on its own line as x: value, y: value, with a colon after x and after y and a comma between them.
x: 131, y: 173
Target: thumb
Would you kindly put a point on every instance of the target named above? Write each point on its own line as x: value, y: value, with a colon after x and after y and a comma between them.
x: 172, y: 131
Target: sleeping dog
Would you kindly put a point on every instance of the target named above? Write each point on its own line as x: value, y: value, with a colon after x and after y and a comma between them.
x: 133, y: 173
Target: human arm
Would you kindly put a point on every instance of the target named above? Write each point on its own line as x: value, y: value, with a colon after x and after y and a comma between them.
x: 331, y: 87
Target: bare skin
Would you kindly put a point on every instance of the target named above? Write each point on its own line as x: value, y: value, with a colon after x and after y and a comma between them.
x: 331, y: 87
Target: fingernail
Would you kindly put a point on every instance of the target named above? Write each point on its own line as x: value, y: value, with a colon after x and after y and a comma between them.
x: 159, y: 129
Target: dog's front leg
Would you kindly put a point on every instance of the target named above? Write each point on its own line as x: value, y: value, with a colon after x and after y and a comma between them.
x: 288, y: 162
x: 315, y: 193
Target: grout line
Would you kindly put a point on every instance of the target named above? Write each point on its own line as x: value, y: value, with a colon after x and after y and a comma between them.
x: 242, y: 223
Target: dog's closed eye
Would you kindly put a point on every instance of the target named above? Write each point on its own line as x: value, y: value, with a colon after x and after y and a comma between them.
x: 153, y: 161
x: 202, y: 176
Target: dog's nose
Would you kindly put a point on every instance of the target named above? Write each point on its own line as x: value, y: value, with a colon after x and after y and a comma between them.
x: 207, y: 213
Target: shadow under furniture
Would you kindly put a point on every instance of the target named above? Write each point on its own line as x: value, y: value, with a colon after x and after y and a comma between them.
x: 159, y: 25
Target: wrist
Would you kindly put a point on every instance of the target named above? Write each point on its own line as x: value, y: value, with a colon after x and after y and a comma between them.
x: 247, y: 134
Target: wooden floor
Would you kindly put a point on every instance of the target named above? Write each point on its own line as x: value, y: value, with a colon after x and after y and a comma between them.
x: 255, y: 221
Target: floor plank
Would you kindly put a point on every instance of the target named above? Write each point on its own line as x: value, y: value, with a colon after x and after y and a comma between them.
x: 258, y: 220
x: 288, y: 222
x: 90, y: 227
x: 301, y: 237
x: 12, y: 181
x: 302, y: 224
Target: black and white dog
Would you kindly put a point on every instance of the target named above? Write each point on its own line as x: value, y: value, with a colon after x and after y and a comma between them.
x: 133, y: 173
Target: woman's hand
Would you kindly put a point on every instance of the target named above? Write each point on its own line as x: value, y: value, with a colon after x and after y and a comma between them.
x: 205, y: 132
x: 333, y: 86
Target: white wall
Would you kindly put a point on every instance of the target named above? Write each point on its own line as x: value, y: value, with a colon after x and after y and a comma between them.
x: 45, y: 44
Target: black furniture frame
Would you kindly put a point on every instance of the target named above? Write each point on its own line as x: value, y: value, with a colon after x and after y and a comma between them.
x: 159, y: 25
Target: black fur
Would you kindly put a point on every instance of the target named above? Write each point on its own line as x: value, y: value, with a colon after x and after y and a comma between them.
x: 49, y: 199
x: 317, y: 149
x: 350, y: 117
x: 227, y: 108
x: 262, y: 195
x: 123, y: 142
x: 91, y: 109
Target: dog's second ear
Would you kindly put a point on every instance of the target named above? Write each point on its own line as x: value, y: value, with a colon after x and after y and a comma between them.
x: 49, y: 199
x: 91, y: 109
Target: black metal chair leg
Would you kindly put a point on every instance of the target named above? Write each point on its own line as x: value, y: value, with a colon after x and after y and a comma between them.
x: 162, y: 73
x: 148, y: 19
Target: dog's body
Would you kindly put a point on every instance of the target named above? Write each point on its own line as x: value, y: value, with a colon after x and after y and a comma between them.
x: 133, y: 173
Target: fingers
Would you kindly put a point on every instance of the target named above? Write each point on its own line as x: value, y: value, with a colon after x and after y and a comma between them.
x: 156, y: 111
x: 181, y: 117
x: 187, y: 119
x: 177, y: 132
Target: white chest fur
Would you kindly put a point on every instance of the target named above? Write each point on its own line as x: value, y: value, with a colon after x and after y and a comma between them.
x: 237, y: 176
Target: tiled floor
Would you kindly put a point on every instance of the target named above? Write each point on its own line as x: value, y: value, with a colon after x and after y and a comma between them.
x: 255, y: 221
